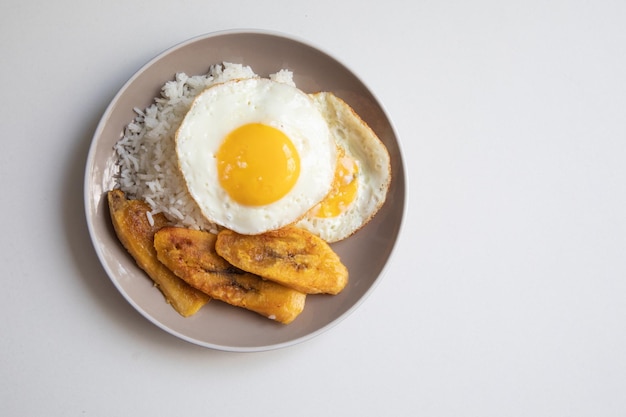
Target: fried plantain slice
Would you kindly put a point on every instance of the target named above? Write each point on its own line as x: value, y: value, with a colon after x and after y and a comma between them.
x: 191, y: 255
x: 137, y: 235
x: 290, y: 256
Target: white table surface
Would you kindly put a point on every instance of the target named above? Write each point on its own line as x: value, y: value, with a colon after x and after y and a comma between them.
x: 505, y: 296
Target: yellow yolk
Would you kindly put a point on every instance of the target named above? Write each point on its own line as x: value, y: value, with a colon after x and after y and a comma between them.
x: 257, y: 164
x: 343, y: 191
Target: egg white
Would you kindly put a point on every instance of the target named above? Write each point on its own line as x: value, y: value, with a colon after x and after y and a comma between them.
x: 223, y: 108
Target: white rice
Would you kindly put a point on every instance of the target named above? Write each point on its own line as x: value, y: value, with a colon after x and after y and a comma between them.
x: 148, y: 168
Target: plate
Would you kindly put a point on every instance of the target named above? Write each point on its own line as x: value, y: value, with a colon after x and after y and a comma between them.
x: 217, y: 325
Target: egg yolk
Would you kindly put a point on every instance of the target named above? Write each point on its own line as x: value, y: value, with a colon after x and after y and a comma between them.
x: 343, y: 191
x: 257, y: 164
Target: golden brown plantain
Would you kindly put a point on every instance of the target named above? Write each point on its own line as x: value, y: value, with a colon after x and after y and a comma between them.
x: 290, y: 256
x: 137, y: 235
x: 191, y: 255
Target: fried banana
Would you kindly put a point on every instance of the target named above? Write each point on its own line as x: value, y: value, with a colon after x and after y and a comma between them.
x: 137, y: 235
x: 191, y: 255
x: 290, y: 256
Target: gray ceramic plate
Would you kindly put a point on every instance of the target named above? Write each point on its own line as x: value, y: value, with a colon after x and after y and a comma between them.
x: 218, y: 325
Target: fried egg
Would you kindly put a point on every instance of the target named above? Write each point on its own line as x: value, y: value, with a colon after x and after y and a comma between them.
x: 255, y: 154
x: 362, y: 177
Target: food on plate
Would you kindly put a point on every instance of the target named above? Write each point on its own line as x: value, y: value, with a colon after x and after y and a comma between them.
x: 191, y: 255
x: 136, y: 233
x: 255, y: 154
x: 252, y: 170
x: 290, y: 256
x: 362, y: 178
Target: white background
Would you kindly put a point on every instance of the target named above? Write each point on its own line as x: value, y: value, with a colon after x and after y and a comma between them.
x: 505, y: 296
